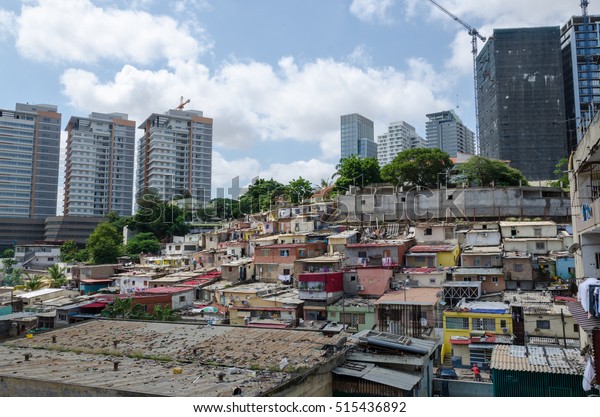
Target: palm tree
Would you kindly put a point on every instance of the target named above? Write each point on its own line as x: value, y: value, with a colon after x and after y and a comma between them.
x: 123, y: 308
x: 57, y: 276
x: 33, y: 283
x: 164, y: 313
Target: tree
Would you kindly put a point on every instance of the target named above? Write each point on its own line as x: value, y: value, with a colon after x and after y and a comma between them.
x: 124, y: 308
x: 356, y: 171
x: 104, y: 244
x: 164, y: 220
x: 561, y: 173
x: 69, y: 251
x: 58, y: 278
x: 142, y: 243
x: 11, y: 276
x: 164, y: 313
x: 261, y: 196
x: 418, y: 167
x: 299, y: 189
x: 34, y: 283
x: 222, y: 208
x: 484, y: 172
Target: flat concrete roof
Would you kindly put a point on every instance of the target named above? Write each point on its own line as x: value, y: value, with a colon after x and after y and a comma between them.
x: 149, y: 352
x: 426, y: 296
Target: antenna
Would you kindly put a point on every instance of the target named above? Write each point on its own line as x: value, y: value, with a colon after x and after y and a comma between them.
x: 574, y: 248
x: 182, y: 103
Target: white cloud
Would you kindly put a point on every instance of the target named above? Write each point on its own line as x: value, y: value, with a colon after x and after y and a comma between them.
x: 7, y: 25
x: 224, y: 172
x: 372, y: 10
x: 360, y: 56
x: 78, y: 31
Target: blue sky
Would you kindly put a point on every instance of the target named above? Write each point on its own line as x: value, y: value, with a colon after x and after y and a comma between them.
x: 275, y: 75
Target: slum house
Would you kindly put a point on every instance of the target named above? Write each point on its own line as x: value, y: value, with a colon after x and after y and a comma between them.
x: 180, y: 360
x: 409, y: 311
x: 538, y: 371
x: 481, y: 257
x: 518, y: 271
x: 421, y: 277
x: 472, y: 329
x: 377, y: 253
x: 319, y: 290
x: 386, y: 364
x: 238, y: 270
x: 427, y: 233
x: 492, y: 279
x: 337, y: 243
x: 355, y: 313
x: 177, y: 297
x: 433, y: 256
x: 325, y: 263
x: 368, y: 281
x: 275, y: 263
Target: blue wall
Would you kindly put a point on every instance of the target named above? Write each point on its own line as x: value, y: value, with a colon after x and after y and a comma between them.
x: 562, y: 266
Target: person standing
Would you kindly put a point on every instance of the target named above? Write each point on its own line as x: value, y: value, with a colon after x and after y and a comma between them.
x: 476, y: 373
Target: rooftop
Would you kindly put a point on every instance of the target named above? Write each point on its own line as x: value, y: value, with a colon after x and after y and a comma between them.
x: 538, y: 223
x: 478, y: 271
x: 432, y: 248
x: 424, y: 296
x: 149, y: 352
x: 539, y: 359
x: 377, y: 243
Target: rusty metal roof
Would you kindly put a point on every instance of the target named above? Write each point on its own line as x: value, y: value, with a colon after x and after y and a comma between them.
x: 539, y: 359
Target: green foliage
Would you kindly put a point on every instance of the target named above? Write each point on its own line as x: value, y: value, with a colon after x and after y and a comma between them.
x: 69, y: 251
x: 8, y: 253
x: 104, y: 244
x: 422, y: 167
x: 117, y: 221
x: 221, y: 208
x: 124, y: 308
x: 356, y: 171
x: 298, y: 190
x: 484, y: 172
x: 33, y: 283
x: 164, y: 313
x: 261, y: 196
x: 142, y: 243
x: 163, y: 220
x: 58, y: 278
x: 561, y: 174
x: 11, y: 276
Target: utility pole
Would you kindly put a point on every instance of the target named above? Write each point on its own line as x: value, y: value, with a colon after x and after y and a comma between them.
x: 562, y: 320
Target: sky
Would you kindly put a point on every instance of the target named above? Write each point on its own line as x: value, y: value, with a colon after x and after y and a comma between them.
x: 275, y: 75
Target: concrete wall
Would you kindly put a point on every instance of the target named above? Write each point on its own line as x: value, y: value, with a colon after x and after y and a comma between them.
x: 457, y: 388
x: 461, y: 203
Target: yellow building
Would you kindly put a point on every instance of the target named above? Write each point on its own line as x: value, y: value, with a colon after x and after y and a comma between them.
x: 472, y: 329
x: 433, y: 256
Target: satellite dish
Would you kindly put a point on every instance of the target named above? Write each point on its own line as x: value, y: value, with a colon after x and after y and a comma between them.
x: 423, y: 321
x: 574, y: 248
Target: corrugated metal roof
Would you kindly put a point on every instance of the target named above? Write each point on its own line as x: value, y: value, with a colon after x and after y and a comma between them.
x: 541, y: 359
x: 368, y: 371
x: 582, y: 318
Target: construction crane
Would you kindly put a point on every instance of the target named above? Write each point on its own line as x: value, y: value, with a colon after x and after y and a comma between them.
x: 474, y: 36
x: 182, y: 103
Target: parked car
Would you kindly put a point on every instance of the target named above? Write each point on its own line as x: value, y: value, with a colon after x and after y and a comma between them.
x: 445, y: 372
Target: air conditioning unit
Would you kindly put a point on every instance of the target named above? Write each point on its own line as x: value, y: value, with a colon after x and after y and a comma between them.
x: 505, y: 330
x: 360, y: 287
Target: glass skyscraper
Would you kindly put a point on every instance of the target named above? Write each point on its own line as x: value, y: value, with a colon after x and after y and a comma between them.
x: 29, y: 160
x: 357, y: 136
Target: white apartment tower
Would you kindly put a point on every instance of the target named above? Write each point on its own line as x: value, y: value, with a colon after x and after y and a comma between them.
x: 99, y: 165
x: 399, y: 137
x: 445, y: 130
x: 175, y: 155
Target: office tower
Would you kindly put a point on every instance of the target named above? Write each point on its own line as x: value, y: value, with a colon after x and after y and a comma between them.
x: 175, y: 155
x: 99, y: 165
x: 399, y: 137
x: 581, y: 68
x: 445, y: 130
x: 29, y: 160
x: 357, y: 136
x: 521, y: 100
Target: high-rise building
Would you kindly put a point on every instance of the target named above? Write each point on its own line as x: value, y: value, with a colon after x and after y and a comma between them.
x: 399, y: 137
x: 29, y: 160
x: 357, y: 137
x: 580, y: 45
x: 99, y: 165
x: 175, y: 155
x: 446, y: 131
x: 521, y: 100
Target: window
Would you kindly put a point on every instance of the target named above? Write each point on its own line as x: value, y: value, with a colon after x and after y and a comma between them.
x: 62, y: 317
x: 576, y: 328
x: 432, y: 280
x: 467, y: 279
x: 265, y: 252
x: 458, y: 323
x: 428, y: 231
x: 284, y: 252
x: 518, y: 267
x: 480, y: 278
x: 495, y: 280
x: 597, y: 260
x: 503, y: 323
x: 540, y: 245
x: 302, y: 253
x: 181, y: 298
x: 362, y: 254
x: 537, y: 231
x: 286, y: 272
x: 542, y: 324
x: 484, y: 324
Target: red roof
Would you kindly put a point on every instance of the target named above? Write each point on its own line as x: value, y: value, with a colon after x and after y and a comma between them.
x: 94, y: 305
x: 287, y: 245
x: 367, y: 245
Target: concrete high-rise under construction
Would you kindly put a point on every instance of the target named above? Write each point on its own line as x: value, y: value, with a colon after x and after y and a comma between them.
x: 521, y: 100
